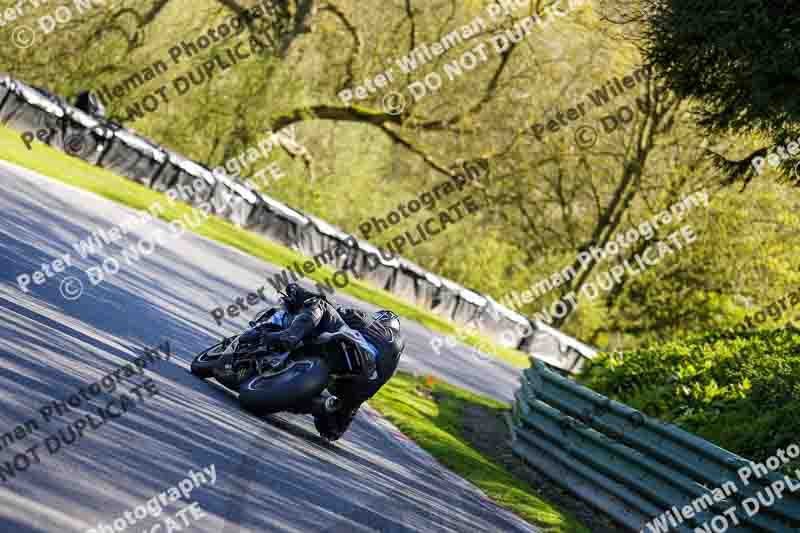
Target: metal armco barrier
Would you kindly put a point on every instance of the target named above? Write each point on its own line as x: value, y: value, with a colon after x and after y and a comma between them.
x: 632, y: 467
x: 558, y: 350
x: 125, y: 153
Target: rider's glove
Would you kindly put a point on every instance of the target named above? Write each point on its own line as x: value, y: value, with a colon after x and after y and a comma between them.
x: 354, y: 318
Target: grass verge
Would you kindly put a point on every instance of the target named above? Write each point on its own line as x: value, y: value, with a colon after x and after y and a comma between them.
x: 432, y: 414
x: 57, y: 165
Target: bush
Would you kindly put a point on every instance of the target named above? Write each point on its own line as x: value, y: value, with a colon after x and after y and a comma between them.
x: 738, y: 390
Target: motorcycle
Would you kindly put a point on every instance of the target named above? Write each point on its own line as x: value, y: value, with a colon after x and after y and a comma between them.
x: 269, y: 380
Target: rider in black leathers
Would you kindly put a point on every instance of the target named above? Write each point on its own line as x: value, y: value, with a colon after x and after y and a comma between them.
x: 368, y: 369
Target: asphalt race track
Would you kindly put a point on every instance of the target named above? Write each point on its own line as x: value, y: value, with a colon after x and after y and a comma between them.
x: 272, y: 474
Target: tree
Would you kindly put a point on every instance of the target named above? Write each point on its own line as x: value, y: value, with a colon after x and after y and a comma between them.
x: 738, y: 60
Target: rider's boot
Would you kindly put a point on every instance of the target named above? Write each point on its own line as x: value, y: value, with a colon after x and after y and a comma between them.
x: 332, y: 426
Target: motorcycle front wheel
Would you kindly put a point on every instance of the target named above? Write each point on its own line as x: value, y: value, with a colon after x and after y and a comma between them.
x: 296, y: 384
x: 204, y: 362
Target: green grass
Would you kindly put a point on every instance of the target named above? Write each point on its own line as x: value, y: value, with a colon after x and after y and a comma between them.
x: 75, y: 172
x: 435, y: 424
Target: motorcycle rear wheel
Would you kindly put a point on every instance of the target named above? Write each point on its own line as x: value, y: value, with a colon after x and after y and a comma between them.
x: 298, y: 383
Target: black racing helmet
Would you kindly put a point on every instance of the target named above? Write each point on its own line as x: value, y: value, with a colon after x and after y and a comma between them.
x: 388, y: 319
x: 390, y: 324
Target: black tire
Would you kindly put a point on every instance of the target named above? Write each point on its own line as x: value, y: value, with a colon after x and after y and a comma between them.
x: 332, y: 426
x: 325, y: 431
x: 203, y: 363
x: 274, y: 392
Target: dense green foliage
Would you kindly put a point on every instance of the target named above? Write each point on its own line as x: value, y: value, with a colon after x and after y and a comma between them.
x: 740, y: 391
x: 544, y: 200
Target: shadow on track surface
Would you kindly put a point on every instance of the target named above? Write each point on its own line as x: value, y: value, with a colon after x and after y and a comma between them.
x: 273, y: 474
